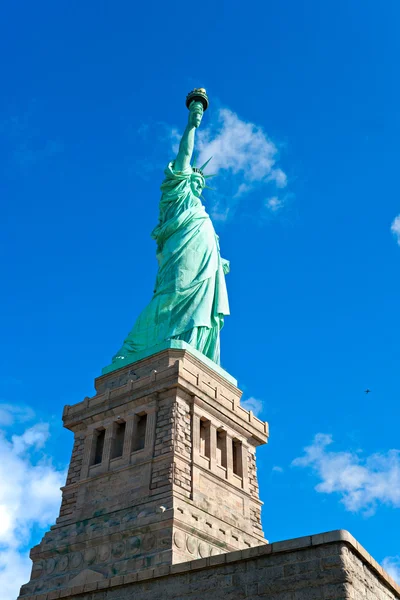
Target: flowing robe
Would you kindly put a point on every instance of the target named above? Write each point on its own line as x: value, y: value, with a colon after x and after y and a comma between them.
x: 190, y: 298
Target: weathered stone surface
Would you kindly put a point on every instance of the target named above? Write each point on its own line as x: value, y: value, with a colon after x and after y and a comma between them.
x: 155, y: 494
x: 162, y: 502
x: 301, y: 569
x: 86, y: 576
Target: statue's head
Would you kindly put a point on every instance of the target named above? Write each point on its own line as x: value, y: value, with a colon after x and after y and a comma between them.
x: 197, y: 183
x: 198, y: 178
x: 196, y: 113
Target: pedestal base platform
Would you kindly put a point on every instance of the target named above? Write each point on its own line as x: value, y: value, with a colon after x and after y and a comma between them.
x: 328, y: 566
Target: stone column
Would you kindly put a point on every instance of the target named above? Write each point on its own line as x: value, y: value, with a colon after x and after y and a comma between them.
x: 196, y: 436
x: 245, y: 470
x: 126, y: 452
x: 212, y: 432
x: 110, y: 432
x: 87, y: 453
x: 229, y: 458
x: 150, y: 428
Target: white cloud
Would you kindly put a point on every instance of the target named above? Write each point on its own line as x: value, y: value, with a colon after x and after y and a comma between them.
x: 244, y: 188
x: 221, y: 211
x: 253, y: 404
x: 362, y: 482
x: 277, y: 469
x: 274, y: 203
x: 240, y: 147
x: 175, y: 139
x: 243, y: 156
x: 279, y: 177
x: 15, y: 570
x: 391, y: 564
x: 29, y: 495
x: 9, y: 413
x: 34, y: 437
x: 395, y: 228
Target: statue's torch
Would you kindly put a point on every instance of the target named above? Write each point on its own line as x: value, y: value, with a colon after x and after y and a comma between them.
x: 198, y: 95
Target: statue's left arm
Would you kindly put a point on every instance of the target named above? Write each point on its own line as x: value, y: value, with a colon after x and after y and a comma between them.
x: 186, y: 145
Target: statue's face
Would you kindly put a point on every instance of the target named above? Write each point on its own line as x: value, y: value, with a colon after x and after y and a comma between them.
x: 197, y: 185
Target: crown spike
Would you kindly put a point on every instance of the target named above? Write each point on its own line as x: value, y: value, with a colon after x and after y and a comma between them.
x: 205, y: 164
x: 211, y: 175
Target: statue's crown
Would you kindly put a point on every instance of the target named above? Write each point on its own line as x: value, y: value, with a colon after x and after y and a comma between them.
x: 196, y: 170
x: 200, y: 170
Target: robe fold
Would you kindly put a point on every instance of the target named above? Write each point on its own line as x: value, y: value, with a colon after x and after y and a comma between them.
x: 190, y: 298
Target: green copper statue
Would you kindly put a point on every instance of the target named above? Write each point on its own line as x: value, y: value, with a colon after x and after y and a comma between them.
x: 190, y: 298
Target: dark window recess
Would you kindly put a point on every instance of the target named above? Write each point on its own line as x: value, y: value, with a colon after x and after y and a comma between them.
x: 221, y: 448
x: 237, y: 457
x: 98, y: 451
x: 205, y: 438
x: 118, y: 441
x: 140, y: 437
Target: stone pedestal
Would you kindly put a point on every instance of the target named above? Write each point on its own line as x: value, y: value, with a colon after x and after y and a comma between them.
x: 328, y: 566
x: 162, y: 471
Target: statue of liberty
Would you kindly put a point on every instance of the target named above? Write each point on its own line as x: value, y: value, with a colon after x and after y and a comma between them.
x: 190, y: 298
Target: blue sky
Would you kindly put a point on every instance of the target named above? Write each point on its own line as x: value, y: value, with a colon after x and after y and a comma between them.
x: 304, y: 126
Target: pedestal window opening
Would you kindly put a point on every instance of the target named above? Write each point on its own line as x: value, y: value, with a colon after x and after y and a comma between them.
x: 98, y: 446
x: 237, y: 466
x: 221, y: 448
x: 118, y: 440
x: 205, y: 449
x: 140, y: 432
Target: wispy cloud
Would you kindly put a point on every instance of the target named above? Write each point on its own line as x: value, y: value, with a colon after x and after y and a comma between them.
x: 29, y: 496
x: 256, y: 406
x: 9, y: 413
x: 244, y: 158
x: 274, y: 204
x: 361, y: 482
x: 239, y: 147
x: 391, y: 564
x: 243, y: 155
x: 395, y: 228
x: 277, y: 469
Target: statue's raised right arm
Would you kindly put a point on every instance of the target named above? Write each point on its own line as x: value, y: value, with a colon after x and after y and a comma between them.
x: 190, y: 299
x: 186, y: 145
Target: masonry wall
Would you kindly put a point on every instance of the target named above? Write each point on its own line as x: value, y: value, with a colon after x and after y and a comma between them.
x: 362, y: 573
x: 74, y: 473
x: 156, y: 500
x: 330, y: 566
